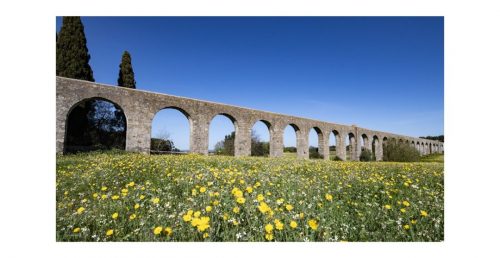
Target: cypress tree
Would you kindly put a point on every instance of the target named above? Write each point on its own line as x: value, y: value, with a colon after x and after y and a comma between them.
x: 72, y: 57
x: 126, y: 75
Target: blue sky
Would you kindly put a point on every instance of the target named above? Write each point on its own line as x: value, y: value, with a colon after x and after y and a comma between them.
x: 382, y: 73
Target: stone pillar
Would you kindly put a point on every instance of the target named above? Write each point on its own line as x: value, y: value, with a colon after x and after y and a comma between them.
x: 198, y: 140
x: 243, y: 139
x: 324, y: 146
x: 138, y: 133
x: 302, y: 144
x: 353, y: 142
x: 340, y: 147
x: 276, y: 141
x: 378, y: 150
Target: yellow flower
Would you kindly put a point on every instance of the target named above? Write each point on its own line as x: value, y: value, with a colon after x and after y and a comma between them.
x: 124, y: 190
x: 156, y: 200
x: 413, y: 222
x: 406, y: 227
x: 249, y: 189
x: 115, y: 197
x: 260, y: 197
x: 109, y: 232
x: 289, y: 207
x: 104, y: 196
x: 203, y: 189
x: 238, y: 194
x: 313, y: 224
x: 215, y: 203
x: 76, y: 230
x: 236, y: 210
x: 328, y: 197
x: 104, y: 188
x: 132, y: 217
x: 208, y: 208
x: 263, y: 207
x: 269, y: 237
x: 205, y: 235
x: 279, y: 225
x: 403, y: 210
x: 131, y: 184
x: 269, y: 228
x: 240, y: 200
x: 95, y: 195
x: 142, y: 197
x: 157, y: 230
x: 168, y: 231
x: 136, y: 206
x: 423, y: 213
x: 202, y: 223
x: 187, y: 218
x: 301, y: 215
x: 197, y: 214
x: 80, y: 210
x: 406, y: 203
x: 115, y: 215
x: 387, y: 206
x: 293, y: 224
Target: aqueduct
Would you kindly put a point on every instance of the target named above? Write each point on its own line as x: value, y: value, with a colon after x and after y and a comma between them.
x: 141, y: 106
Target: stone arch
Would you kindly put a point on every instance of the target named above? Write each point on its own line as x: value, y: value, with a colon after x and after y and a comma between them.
x: 186, y: 115
x: 339, y: 146
x: 351, y: 147
x: 364, y: 142
x: 297, y: 131
x: 76, y: 138
x: 377, y: 150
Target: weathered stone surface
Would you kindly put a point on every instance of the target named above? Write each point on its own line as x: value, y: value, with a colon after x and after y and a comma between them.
x: 140, y: 108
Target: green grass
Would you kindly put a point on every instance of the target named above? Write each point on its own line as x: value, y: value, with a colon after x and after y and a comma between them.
x: 433, y: 158
x: 366, y: 202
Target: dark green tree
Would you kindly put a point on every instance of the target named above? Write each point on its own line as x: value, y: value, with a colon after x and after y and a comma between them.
x: 126, y: 75
x: 72, y: 55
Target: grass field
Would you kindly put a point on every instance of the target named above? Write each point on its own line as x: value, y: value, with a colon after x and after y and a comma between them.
x: 134, y: 197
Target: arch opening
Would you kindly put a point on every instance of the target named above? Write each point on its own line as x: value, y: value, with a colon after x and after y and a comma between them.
x: 315, y: 143
x: 260, y: 138
x: 222, y: 134
x: 95, y: 124
x: 290, y: 140
x: 350, y: 146
x: 170, y: 131
x: 333, y: 144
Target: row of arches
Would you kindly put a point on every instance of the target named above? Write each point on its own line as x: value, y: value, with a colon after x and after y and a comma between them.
x: 175, y: 122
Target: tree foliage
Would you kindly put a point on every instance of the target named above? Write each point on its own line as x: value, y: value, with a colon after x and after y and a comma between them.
x: 399, y: 151
x: 126, y: 75
x: 72, y: 55
x: 226, y: 146
x: 435, y: 138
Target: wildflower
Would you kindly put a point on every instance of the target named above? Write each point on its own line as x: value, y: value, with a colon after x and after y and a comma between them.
x: 279, y: 225
x: 280, y: 201
x: 208, y: 208
x: 136, y: 206
x: 260, y: 197
x: 124, y: 190
x: 406, y: 226
x: 406, y: 203
x: 197, y: 214
x: 115, y: 197
x: 104, y: 196
x: 168, y: 231
x: 236, y: 210
x: 403, y: 210
x: 109, y: 232
x: 328, y: 197
x: 80, y: 210
x: 423, y: 213
x: 387, y: 206
x: 142, y: 197
x: 202, y: 224
x: 133, y: 216
x: 293, y: 224
x: 289, y: 207
x: 203, y: 189
x: 131, y: 184
x: 76, y: 230
x: 313, y: 224
x: 301, y: 215
x: 269, y: 228
x: 157, y: 230
x: 249, y: 189
x: 269, y: 237
x: 95, y: 195
x: 215, y: 203
x: 186, y: 217
x: 205, y: 235
x: 240, y: 200
x: 104, y: 188
x: 263, y: 207
x: 156, y: 200
x: 413, y: 222
x: 115, y: 215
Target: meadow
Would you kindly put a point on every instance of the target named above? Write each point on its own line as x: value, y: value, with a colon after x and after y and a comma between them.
x: 136, y: 197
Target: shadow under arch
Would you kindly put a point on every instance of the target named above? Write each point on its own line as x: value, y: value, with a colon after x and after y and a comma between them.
x: 95, y: 123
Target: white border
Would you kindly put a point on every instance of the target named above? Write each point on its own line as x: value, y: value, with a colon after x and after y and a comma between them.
x: 27, y: 215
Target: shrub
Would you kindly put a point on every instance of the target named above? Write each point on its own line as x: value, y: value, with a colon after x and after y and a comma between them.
x: 336, y: 158
x: 366, y: 155
x: 401, y: 152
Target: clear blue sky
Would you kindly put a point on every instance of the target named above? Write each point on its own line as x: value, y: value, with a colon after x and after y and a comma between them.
x: 383, y: 73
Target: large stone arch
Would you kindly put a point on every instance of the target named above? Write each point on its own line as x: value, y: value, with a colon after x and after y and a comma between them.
x: 186, y: 111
